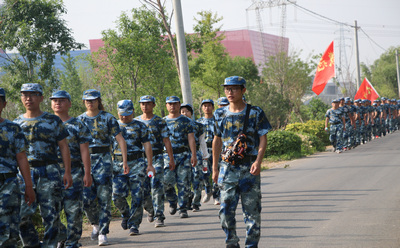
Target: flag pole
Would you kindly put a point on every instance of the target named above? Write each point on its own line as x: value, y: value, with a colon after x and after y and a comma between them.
x: 398, y: 71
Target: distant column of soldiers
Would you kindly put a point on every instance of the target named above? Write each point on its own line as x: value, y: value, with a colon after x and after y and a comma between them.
x: 355, y: 123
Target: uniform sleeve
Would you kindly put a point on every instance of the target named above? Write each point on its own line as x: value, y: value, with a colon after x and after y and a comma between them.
x: 164, y: 131
x: 262, y: 126
x: 328, y: 113
x: 62, y: 132
x: 217, y: 124
x: 145, y: 132
x: 20, y: 143
x: 113, y: 126
x: 84, y: 134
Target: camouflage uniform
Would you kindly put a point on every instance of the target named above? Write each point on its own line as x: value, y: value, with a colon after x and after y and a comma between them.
x: 12, y: 142
x: 73, y: 197
x: 43, y: 133
x: 209, y: 125
x: 346, y: 133
x: 103, y: 128
x: 335, y: 120
x: 197, y: 176
x: 179, y: 128
x: 135, y: 134
x: 237, y: 181
x: 154, y: 202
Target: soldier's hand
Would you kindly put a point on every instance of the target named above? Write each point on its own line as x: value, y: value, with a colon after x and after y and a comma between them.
x: 30, y: 195
x: 193, y: 160
x: 151, y: 168
x: 126, y: 168
x: 255, y: 169
x: 67, y: 180
x: 87, y: 180
x: 215, y: 175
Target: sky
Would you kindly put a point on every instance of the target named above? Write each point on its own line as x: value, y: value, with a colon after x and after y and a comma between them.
x: 308, y: 34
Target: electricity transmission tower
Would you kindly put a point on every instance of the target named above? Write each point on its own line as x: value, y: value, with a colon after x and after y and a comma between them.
x: 258, y: 6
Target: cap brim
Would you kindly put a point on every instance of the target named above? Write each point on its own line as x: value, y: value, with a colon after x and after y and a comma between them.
x: 145, y: 101
x: 125, y: 113
x: 171, y: 101
x: 89, y: 98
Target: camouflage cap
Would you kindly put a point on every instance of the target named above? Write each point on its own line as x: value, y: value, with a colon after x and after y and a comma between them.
x: 61, y: 94
x: 222, y: 101
x: 125, y: 107
x: 172, y: 99
x: 374, y: 104
x: 147, y: 99
x: 32, y: 87
x: 207, y: 101
x: 234, y: 80
x: 91, y: 94
x: 2, y: 92
x: 335, y: 100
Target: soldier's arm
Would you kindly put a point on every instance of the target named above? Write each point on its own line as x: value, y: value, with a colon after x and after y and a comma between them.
x: 168, y: 147
x: 85, y: 155
x: 256, y: 166
x: 23, y: 165
x: 149, y: 155
x: 66, y: 158
x: 326, y: 123
x: 192, y: 145
x: 216, y: 152
x: 122, y: 144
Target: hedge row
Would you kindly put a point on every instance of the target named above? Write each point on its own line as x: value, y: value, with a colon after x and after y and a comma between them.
x: 297, y: 140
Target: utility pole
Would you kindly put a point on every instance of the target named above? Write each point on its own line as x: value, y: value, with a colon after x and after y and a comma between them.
x: 357, y: 55
x: 182, y: 55
x: 398, y: 71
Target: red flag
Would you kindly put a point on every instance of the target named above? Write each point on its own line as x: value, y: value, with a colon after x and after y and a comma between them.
x: 366, y: 91
x: 325, y: 70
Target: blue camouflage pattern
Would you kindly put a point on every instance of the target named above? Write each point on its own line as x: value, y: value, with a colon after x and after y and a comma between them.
x: 158, y: 129
x: 42, y: 133
x: 78, y: 134
x: 12, y: 141
x: 229, y: 124
x: 179, y: 128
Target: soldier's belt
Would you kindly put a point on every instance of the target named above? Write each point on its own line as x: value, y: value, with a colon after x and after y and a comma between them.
x: 37, y: 163
x: 5, y: 176
x: 179, y: 150
x: 130, y: 156
x: 335, y: 123
x: 99, y: 149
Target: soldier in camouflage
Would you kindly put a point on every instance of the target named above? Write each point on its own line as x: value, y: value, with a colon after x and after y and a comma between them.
x: 184, y: 150
x: 103, y: 128
x: 242, y: 180
x: 13, y: 147
x: 197, y: 178
x: 335, y: 117
x: 208, y: 120
x: 154, y: 187
x: 44, y: 132
x: 137, y: 137
x: 78, y: 142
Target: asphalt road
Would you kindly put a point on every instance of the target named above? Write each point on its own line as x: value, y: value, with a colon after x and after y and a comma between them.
x: 327, y: 200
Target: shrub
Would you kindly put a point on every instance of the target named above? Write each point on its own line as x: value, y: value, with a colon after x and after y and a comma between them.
x: 316, y: 128
x: 283, y: 142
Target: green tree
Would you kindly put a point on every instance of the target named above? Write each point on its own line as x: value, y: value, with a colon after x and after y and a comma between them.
x: 382, y: 73
x: 71, y: 82
x: 135, y: 60
x: 34, y: 30
x: 285, y: 79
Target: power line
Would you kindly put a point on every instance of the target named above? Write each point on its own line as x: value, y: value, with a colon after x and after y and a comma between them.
x: 372, y: 39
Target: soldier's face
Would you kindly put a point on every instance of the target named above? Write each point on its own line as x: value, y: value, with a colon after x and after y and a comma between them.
x: 174, y: 107
x: 147, y: 107
x: 60, y: 105
x: 186, y: 112
x: 234, y: 93
x: 31, y: 100
x: 92, y: 104
x: 126, y: 119
x: 207, y: 108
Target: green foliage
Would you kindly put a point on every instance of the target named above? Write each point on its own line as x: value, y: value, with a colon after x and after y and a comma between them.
x: 35, y: 31
x: 311, y: 144
x: 283, y: 142
x: 316, y: 109
x: 315, y: 128
x: 382, y: 73
x: 126, y: 65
